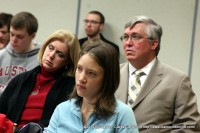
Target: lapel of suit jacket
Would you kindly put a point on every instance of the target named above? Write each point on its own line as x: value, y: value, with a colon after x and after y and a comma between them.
x: 122, y: 91
x: 152, y: 80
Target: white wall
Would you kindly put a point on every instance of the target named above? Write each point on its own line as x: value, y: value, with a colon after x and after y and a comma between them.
x: 175, y: 16
x: 51, y: 15
x: 196, y: 60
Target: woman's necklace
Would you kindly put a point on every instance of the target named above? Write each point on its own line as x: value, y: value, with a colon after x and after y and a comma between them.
x: 36, y: 92
x: 39, y: 86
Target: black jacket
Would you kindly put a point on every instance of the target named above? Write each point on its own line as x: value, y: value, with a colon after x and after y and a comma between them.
x: 14, y: 97
x: 81, y: 41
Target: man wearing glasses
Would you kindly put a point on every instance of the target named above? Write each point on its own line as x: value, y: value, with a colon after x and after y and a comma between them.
x: 94, y: 24
x: 160, y: 96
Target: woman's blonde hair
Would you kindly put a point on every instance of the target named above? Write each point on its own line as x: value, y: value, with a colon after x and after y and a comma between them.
x: 73, y: 49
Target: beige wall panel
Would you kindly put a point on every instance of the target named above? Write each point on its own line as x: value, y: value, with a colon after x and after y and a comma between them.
x: 51, y: 14
x: 196, y: 61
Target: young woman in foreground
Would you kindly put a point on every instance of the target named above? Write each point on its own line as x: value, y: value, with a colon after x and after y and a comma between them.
x: 93, y: 107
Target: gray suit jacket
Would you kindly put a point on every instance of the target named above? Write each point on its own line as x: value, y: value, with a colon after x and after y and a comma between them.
x: 166, y: 98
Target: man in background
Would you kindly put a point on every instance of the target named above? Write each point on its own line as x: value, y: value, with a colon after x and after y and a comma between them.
x: 20, y: 54
x: 5, y: 19
x: 94, y: 24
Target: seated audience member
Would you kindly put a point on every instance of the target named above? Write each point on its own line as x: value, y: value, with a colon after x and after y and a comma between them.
x: 20, y: 54
x: 94, y: 24
x: 162, y: 97
x: 5, y: 19
x: 33, y: 95
x: 93, y: 107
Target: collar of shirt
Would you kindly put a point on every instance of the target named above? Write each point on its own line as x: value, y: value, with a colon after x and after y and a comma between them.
x: 145, y: 69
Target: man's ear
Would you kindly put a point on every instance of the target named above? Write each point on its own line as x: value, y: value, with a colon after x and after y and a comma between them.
x: 154, y: 44
x: 101, y: 26
x: 33, y: 35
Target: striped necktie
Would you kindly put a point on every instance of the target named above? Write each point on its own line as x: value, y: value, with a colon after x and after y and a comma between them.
x: 135, y: 87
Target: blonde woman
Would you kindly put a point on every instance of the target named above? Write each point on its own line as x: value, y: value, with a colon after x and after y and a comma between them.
x: 32, y: 96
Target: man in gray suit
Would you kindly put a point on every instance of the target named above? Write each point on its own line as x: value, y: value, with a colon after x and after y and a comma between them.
x: 166, y: 102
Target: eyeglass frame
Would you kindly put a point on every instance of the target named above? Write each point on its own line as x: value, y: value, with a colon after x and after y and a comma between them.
x: 135, y: 37
x: 93, y: 22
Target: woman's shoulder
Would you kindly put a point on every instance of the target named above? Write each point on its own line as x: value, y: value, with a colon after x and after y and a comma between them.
x: 67, y: 79
x: 67, y: 104
x: 122, y: 107
x: 27, y: 74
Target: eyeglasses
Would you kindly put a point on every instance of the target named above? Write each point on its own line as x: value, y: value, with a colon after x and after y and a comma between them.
x: 133, y: 37
x: 93, y: 22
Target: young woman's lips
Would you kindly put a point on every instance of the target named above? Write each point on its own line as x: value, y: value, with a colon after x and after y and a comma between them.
x: 79, y: 86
